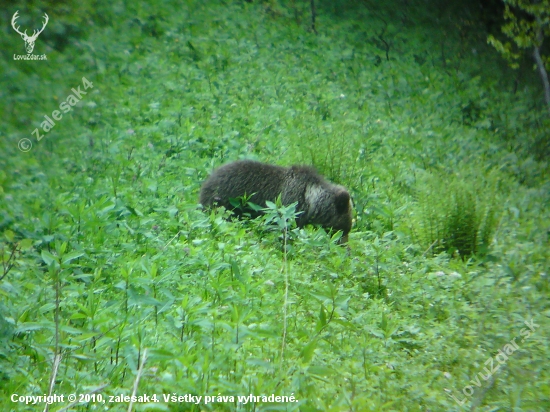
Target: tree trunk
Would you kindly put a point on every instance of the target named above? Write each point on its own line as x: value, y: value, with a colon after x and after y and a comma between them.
x: 540, y: 63
x: 313, y: 16
x: 543, y: 75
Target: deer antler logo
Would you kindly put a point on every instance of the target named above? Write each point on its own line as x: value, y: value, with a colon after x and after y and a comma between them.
x: 29, y: 40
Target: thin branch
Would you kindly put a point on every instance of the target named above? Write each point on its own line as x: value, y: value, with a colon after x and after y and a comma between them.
x: 8, y: 265
x: 170, y: 241
x: 543, y: 75
x: 285, y: 270
x: 55, y: 368
x: 313, y: 16
x: 540, y: 63
x: 387, y: 46
x: 138, y: 377
x: 427, y: 250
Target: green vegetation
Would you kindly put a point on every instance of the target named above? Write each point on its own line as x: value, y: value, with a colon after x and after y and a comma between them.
x: 458, y: 217
x: 115, y: 282
x: 527, y: 24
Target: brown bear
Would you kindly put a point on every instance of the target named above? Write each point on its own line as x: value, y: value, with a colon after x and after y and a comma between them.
x: 320, y: 201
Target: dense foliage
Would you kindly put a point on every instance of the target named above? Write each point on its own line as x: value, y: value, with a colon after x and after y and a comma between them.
x: 527, y: 25
x: 115, y: 282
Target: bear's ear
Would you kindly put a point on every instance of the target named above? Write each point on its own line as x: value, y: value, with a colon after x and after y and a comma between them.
x: 341, y: 200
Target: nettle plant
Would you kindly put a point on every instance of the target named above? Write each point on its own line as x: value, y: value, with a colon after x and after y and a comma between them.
x: 273, y: 217
x: 283, y: 217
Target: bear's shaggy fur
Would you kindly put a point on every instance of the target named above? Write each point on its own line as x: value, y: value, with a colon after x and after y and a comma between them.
x: 319, y: 201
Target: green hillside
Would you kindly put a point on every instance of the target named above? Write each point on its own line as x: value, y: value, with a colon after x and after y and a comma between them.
x: 115, y: 282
